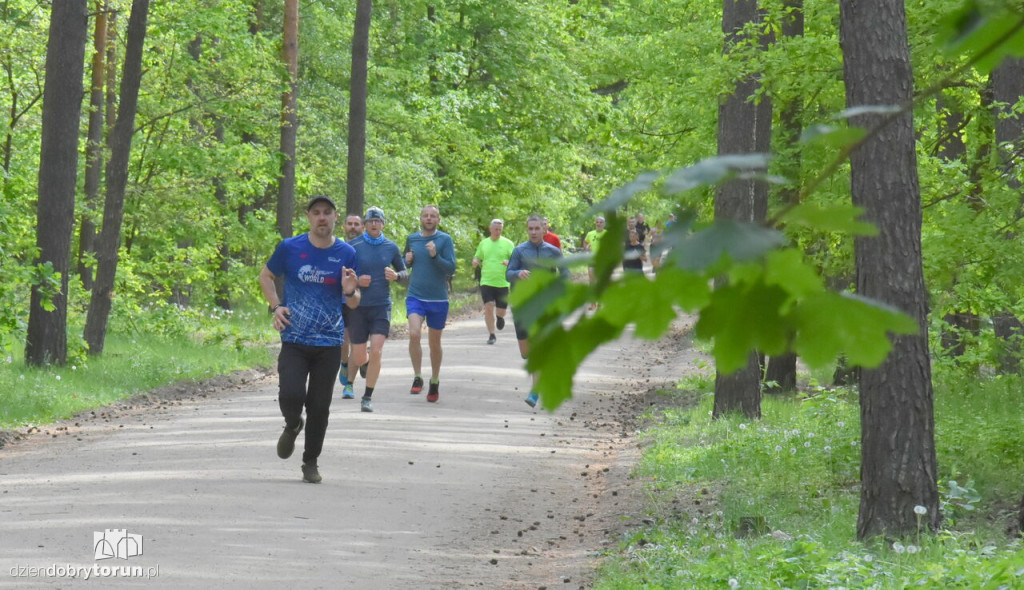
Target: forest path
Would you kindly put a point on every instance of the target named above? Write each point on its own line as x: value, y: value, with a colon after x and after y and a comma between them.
x: 478, y: 490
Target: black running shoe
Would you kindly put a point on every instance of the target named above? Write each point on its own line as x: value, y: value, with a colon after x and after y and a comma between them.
x: 417, y: 386
x: 362, y: 369
x: 433, y: 394
x: 286, y: 444
x: 492, y: 339
x: 501, y: 323
x: 311, y: 474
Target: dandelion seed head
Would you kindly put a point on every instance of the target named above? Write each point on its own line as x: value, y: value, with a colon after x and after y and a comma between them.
x: 898, y: 547
x: 920, y: 510
x: 912, y: 549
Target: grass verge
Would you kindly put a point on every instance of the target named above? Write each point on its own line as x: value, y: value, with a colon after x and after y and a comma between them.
x: 204, y: 344
x: 773, y: 504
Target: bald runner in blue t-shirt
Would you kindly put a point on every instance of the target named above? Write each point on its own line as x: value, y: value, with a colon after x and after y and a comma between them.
x: 430, y: 256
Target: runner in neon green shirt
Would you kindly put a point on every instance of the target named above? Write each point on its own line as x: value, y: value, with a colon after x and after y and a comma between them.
x: 491, y: 258
x: 590, y: 243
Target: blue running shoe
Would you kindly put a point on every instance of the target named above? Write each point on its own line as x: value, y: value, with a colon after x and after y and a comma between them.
x: 347, y: 393
x: 531, y: 400
x: 343, y: 376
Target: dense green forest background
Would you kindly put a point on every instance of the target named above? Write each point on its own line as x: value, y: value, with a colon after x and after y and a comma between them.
x: 487, y: 109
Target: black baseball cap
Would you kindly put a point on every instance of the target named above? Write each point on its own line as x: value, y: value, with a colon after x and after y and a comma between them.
x: 321, y: 199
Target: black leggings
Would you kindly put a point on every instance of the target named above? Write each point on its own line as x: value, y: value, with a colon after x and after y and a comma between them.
x: 296, y: 364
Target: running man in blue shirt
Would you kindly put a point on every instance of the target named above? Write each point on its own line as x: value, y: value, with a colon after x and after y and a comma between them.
x: 380, y: 264
x: 430, y: 254
x: 319, y: 274
x: 524, y: 260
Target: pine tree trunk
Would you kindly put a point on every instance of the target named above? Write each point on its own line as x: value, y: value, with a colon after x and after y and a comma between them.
x: 354, y: 197
x: 47, y: 338
x: 898, y: 465
x: 1008, y: 88
x: 117, y: 180
x: 743, y: 127
x: 780, y: 373
x: 93, y: 147
x: 289, y: 120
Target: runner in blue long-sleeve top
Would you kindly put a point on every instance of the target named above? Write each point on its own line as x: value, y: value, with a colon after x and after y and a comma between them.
x: 430, y: 256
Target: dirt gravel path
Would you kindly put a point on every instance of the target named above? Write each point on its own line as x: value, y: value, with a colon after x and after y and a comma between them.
x: 476, y: 491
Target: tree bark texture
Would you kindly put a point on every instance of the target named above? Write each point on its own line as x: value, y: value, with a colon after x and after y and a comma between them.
x: 289, y: 120
x: 743, y: 127
x: 47, y: 339
x: 898, y: 465
x: 355, y: 187
x: 93, y: 147
x: 781, y: 369
x: 1007, y: 83
x: 117, y: 181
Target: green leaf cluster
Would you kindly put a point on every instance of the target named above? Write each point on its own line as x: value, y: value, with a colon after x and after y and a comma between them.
x: 769, y: 298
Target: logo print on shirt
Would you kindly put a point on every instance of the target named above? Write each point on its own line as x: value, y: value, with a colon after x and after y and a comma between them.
x: 309, y: 274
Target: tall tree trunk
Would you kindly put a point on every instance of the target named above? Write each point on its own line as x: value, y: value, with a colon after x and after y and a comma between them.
x: 289, y: 120
x: 47, y: 340
x: 780, y: 373
x: 743, y: 127
x: 117, y: 180
x: 1007, y: 83
x: 93, y: 147
x: 898, y: 465
x: 354, y: 195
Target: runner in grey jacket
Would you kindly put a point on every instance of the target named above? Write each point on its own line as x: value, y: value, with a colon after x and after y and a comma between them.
x: 524, y: 260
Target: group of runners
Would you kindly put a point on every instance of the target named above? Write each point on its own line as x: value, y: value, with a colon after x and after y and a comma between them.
x: 335, y: 313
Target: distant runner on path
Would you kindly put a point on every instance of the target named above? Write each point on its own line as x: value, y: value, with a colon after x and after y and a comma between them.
x: 319, y: 273
x: 430, y: 256
x: 380, y: 264
x: 550, y: 236
x: 491, y: 257
x: 524, y: 259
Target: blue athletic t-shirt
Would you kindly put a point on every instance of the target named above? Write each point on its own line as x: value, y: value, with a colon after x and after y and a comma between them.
x: 428, y: 277
x: 373, y: 259
x: 312, y: 289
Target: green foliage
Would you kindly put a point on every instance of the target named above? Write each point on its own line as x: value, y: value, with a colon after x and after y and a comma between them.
x: 774, y: 301
x: 797, y: 470
x: 990, y: 31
